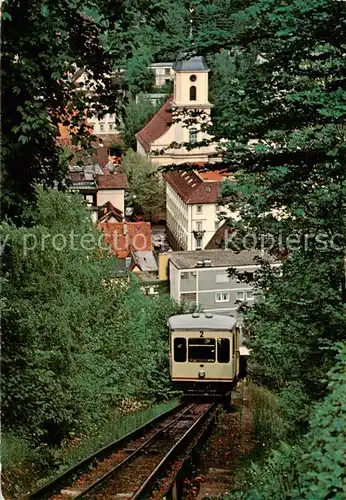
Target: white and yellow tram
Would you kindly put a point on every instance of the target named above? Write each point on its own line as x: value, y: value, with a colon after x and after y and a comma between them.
x: 204, y: 354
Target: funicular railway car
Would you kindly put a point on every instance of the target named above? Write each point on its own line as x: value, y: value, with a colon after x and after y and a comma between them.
x: 204, y: 354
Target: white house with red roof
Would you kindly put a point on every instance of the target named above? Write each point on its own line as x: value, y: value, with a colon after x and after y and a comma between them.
x: 192, y: 207
x: 167, y: 136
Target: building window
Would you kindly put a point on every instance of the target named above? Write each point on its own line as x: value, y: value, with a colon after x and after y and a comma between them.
x: 188, y: 297
x: 167, y: 81
x: 193, y: 78
x: 223, y: 350
x: 199, y: 209
x: 102, y: 127
x: 222, y: 297
x: 193, y: 93
x: 222, y: 278
x: 111, y: 127
x: 198, y: 243
x: 199, y: 226
x: 184, y: 276
x: 180, y: 350
x: 167, y: 71
x: 249, y: 295
x: 193, y: 135
x: 240, y: 295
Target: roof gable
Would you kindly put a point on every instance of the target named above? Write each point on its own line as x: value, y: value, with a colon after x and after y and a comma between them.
x: 156, y: 127
x: 191, y: 188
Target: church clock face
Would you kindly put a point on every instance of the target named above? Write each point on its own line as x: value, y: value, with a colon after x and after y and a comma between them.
x: 193, y: 78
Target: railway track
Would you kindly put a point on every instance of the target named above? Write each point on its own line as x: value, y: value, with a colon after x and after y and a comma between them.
x: 133, y: 466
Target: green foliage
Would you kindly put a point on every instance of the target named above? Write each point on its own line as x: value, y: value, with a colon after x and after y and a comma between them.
x: 72, y: 347
x: 42, y: 45
x: 314, y: 467
x: 136, y: 114
x: 139, y: 77
x: 322, y: 470
x: 269, y: 425
x: 146, y: 184
x: 275, y: 478
x: 15, y: 450
x: 280, y: 104
x: 295, y: 326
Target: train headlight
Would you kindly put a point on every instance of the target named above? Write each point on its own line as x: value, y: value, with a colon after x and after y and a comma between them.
x: 201, y: 373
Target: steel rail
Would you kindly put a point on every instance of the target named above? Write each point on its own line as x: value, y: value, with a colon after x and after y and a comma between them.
x: 187, y: 455
x: 65, y: 478
x: 138, y: 450
x: 146, y: 486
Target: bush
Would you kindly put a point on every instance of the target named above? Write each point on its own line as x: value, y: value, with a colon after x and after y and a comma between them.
x: 269, y: 425
x: 15, y: 450
x: 323, y: 472
x: 273, y: 479
x: 73, y: 348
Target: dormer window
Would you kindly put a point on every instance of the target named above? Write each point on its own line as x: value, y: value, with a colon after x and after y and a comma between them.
x: 193, y: 93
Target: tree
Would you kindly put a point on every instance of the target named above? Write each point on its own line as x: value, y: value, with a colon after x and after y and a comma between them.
x: 135, y: 115
x: 282, y: 112
x: 75, y: 341
x: 42, y: 45
x: 295, y: 325
x: 146, y: 184
x: 139, y: 77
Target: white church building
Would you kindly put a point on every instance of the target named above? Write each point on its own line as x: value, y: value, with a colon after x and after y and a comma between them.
x: 193, y: 208
x: 165, y: 137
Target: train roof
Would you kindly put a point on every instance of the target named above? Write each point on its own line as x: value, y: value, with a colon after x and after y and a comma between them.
x: 201, y: 321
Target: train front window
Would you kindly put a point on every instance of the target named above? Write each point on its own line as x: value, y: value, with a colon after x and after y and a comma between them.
x: 180, y: 350
x: 223, y: 350
x: 201, y: 350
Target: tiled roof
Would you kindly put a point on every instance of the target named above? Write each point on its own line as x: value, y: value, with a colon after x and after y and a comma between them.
x: 156, y: 127
x: 191, y: 188
x: 127, y: 237
x: 100, y: 156
x: 112, y: 181
x: 215, y: 175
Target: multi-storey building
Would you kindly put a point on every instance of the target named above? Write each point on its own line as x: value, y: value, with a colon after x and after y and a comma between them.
x: 202, y: 278
x: 163, y: 73
x: 192, y: 207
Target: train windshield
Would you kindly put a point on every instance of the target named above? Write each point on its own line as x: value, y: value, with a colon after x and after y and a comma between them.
x: 201, y: 350
x: 223, y: 350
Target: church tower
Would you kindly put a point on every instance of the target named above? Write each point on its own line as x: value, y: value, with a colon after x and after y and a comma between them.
x: 191, y: 83
x: 176, y: 125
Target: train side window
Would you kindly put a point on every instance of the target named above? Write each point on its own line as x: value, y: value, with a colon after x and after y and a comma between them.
x: 223, y: 350
x: 180, y: 350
